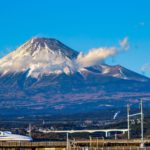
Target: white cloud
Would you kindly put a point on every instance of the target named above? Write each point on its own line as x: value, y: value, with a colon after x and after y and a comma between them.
x: 145, y: 68
x: 98, y: 55
x: 95, y: 56
x: 142, y: 24
x: 124, y: 44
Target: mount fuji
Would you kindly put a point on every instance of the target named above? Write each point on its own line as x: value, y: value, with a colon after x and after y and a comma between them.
x: 43, y: 76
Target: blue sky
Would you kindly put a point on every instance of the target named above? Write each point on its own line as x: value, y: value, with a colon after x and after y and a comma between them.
x: 82, y: 25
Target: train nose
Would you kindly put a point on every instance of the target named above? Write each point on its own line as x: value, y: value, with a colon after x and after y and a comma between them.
x: 29, y: 139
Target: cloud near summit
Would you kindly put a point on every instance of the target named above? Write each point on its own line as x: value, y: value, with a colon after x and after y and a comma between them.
x: 95, y: 56
x: 98, y: 55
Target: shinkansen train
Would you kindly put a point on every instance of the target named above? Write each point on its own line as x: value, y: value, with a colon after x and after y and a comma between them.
x: 8, y: 136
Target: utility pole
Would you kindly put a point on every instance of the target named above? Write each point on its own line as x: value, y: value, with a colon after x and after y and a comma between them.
x: 142, y: 127
x: 90, y: 142
x: 68, y: 146
x: 115, y: 136
x: 97, y: 143
x: 30, y: 130
x: 128, y: 120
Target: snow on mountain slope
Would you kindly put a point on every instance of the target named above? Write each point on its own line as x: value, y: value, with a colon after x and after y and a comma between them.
x: 40, y: 56
x: 117, y: 71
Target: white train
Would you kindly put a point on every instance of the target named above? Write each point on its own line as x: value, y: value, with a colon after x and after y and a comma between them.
x: 8, y: 136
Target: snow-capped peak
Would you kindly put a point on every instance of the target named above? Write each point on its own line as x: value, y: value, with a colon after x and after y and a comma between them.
x: 40, y: 56
x: 51, y: 44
